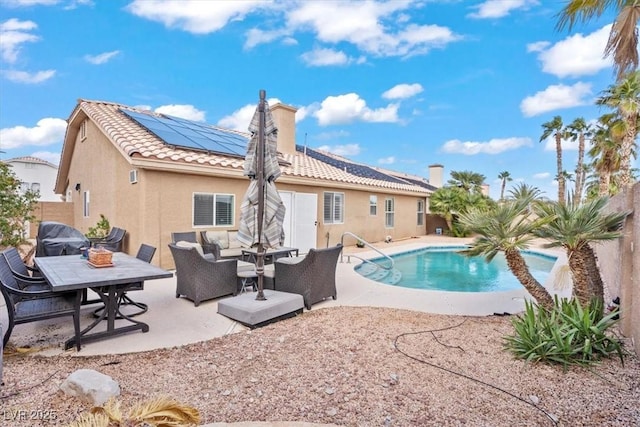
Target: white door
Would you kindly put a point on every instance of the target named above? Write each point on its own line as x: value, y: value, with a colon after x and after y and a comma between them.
x: 300, y: 220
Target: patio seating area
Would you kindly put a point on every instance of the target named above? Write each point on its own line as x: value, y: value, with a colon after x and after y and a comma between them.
x: 176, y: 322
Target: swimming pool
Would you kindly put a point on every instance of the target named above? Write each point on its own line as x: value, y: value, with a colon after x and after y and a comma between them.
x: 444, y: 269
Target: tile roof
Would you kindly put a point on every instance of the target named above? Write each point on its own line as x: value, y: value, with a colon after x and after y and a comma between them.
x: 31, y: 159
x: 135, y: 141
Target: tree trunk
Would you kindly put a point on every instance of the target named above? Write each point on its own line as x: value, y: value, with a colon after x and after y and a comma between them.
x: 519, y: 268
x: 579, y: 171
x: 626, y: 148
x: 581, y: 282
x: 603, y: 187
x: 561, y: 180
x: 596, y: 286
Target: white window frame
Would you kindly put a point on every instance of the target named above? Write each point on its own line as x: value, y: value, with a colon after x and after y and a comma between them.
x: 85, y: 204
x: 420, y: 213
x: 83, y: 130
x: 335, y: 209
x: 214, y: 216
x: 373, y: 205
x: 389, y: 212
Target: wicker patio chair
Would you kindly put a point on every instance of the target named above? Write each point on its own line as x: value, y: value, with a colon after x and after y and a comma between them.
x: 190, y: 237
x: 200, y: 279
x: 312, y: 276
x: 25, y: 306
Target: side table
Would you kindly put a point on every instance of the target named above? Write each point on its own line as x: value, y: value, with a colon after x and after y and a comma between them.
x: 248, y: 279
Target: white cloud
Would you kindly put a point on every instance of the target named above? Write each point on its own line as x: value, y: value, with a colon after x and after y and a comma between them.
x: 48, y: 156
x: 143, y: 107
x: 500, y: 8
x: 188, y: 112
x: 575, y: 56
x: 13, y: 34
x: 541, y: 175
x: 256, y: 36
x: 377, y: 28
x: 387, y: 160
x: 240, y: 119
x: 326, y: 136
x: 322, y: 57
x: 556, y: 97
x: 342, y: 150
x: 101, y: 58
x: 47, y: 131
x: 27, y: 77
x: 195, y: 16
x: 28, y: 3
x: 305, y: 111
x: 349, y: 108
x: 494, y: 146
x: 403, y: 91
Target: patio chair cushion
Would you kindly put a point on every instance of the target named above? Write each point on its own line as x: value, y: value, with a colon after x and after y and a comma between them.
x: 221, y: 238
x: 185, y: 244
x: 233, y: 240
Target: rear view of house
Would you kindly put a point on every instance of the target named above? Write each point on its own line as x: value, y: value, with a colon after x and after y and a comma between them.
x: 154, y: 174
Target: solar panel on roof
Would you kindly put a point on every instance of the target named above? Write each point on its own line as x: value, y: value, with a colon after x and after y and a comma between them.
x: 192, y: 135
x: 362, y: 171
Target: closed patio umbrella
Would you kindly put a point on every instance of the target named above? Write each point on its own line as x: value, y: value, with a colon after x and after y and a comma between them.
x: 262, y: 211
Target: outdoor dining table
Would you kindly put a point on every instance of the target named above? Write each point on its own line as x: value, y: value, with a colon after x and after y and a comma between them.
x: 74, y: 273
x: 251, y: 254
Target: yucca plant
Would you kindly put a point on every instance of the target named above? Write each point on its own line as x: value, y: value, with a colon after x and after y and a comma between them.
x: 567, y: 334
x: 159, y: 412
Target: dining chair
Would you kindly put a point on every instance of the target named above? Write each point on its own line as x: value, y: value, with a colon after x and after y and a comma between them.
x: 145, y: 253
x: 25, y: 305
x: 26, y: 277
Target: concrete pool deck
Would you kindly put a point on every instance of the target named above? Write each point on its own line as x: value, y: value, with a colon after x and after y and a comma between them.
x: 176, y: 322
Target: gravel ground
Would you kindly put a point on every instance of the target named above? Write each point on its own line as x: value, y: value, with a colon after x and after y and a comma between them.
x: 346, y: 366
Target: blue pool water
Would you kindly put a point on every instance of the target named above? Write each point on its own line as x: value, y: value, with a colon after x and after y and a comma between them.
x: 444, y: 269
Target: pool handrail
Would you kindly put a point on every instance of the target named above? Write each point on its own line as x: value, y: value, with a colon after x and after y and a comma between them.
x: 367, y: 244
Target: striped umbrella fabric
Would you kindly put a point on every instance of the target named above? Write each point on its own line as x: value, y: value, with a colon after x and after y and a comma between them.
x: 274, y: 209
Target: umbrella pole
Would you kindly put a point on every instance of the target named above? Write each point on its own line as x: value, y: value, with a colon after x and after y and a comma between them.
x: 260, y: 172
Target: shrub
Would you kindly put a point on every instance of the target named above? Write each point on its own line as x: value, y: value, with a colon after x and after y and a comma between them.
x: 567, y: 334
x: 101, y: 229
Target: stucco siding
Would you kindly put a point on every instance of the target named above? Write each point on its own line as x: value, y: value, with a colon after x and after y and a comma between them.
x: 619, y: 264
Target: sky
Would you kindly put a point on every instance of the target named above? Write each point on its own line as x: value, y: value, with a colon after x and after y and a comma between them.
x: 397, y: 84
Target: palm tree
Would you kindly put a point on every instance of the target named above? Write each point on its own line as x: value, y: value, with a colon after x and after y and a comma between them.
x: 467, y: 180
x: 446, y: 202
x: 575, y: 227
x: 524, y: 191
x: 504, y: 176
x: 623, y: 38
x: 556, y: 128
x: 605, y: 150
x: 625, y: 98
x: 507, y: 228
x: 580, y: 130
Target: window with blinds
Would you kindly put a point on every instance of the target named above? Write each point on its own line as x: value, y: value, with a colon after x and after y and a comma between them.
x: 213, y: 210
x: 389, y: 212
x: 420, y: 211
x: 333, y: 208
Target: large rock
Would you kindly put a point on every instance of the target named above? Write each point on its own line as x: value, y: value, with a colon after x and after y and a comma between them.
x: 90, y: 386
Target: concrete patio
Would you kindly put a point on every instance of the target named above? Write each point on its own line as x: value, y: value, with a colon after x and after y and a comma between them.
x: 176, y: 322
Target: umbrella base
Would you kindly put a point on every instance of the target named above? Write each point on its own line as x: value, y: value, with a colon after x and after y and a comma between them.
x: 244, y: 308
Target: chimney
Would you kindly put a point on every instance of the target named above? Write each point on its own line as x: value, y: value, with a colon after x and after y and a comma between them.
x: 435, y: 175
x: 284, y: 117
